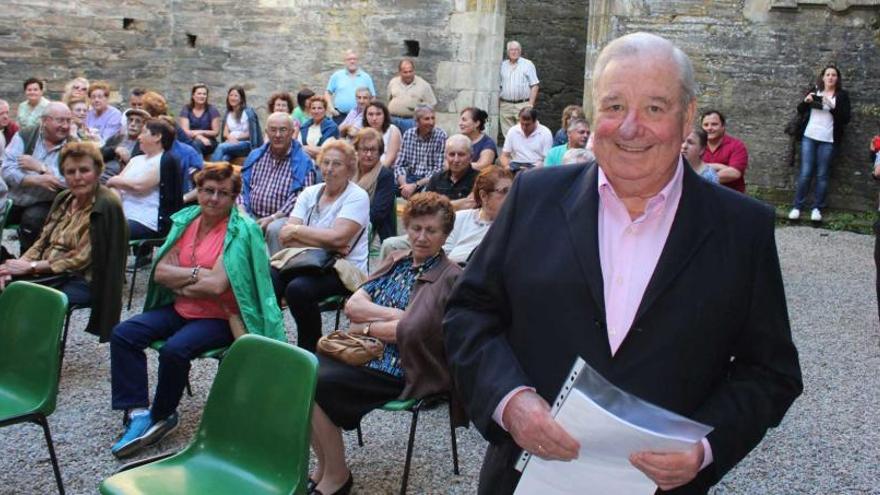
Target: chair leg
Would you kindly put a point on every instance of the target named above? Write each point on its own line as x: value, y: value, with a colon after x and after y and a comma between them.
x: 134, y: 273
x: 454, y: 442
x: 409, y: 447
x: 360, y: 436
x: 189, y: 390
x: 338, y: 311
x: 64, y: 340
x: 42, y: 421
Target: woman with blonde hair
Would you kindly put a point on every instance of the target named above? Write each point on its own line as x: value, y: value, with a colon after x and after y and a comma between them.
x: 75, y: 88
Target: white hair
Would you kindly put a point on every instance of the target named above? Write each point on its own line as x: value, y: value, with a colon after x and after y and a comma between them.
x: 277, y: 115
x: 577, y: 155
x: 513, y: 43
x: 647, y: 45
x: 459, y: 141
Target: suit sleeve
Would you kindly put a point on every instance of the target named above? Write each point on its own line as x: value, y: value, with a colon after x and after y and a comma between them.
x: 764, y: 376
x: 483, y: 366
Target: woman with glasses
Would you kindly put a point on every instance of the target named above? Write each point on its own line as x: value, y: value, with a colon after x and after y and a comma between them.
x: 377, y: 180
x: 211, y: 282
x: 490, y: 190
x: 75, y: 88
x: 331, y: 216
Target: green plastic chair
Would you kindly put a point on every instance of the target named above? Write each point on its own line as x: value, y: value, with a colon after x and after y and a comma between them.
x: 217, y: 354
x: 32, y: 317
x: 5, y: 215
x: 415, y: 406
x: 254, y: 433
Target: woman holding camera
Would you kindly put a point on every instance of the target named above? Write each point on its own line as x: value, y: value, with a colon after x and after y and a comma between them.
x: 822, y: 133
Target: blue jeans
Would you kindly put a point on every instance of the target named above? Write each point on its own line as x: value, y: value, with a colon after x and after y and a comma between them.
x: 228, y: 151
x: 184, y: 340
x: 815, y: 159
x: 403, y: 123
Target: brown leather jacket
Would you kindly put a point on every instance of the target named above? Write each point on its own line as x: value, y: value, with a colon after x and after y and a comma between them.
x: 420, y: 333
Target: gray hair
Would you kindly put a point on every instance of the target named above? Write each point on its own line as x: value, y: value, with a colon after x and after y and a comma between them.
x: 53, y: 105
x: 361, y: 89
x: 513, y: 43
x: 646, y: 44
x: 576, y: 122
x: 423, y: 110
x: 459, y: 141
x: 577, y: 155
x: 3, y: 102
x: 286, y: 116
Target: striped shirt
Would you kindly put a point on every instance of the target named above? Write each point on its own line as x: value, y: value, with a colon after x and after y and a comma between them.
x: 517, y: 79
x: 420, y: 157
x: 65, y: 242
x: 270, y: 186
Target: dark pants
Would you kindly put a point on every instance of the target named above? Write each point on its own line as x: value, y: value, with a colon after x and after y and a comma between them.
x: 136, y: 231
x: 195, y: 143
x: 303, y: 295
x: 877, y: 260
x: 497, y: 476
x: 339, y: 119
x: 30, y: 220
x: 77, y: 291
x: 184, y: 340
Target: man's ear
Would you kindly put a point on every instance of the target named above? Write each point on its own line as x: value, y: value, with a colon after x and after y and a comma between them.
x: 689, y: 114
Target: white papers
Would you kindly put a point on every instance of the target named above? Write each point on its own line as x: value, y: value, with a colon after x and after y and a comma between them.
x: 607, y: 441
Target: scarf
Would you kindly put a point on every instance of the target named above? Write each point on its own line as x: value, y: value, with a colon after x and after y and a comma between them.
x: 368, y: 180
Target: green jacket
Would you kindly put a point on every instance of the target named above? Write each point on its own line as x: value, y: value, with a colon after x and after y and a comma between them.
x: 247, y: 266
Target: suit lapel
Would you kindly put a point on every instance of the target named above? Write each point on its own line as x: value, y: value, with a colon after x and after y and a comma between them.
x: 580, y: 206
x: 690, y: 228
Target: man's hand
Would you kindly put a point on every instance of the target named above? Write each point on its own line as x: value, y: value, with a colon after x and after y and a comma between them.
x: 203, y: 140
x: 265, y: 221
x: 527, y: 418
x: 122, y: 155
x: 28, y: 162
x: 670, y: 470
x: 49, y: 182
x: 408, y: 190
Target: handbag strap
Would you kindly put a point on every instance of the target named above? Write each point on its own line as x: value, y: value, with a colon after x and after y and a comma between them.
x: 315, y: 206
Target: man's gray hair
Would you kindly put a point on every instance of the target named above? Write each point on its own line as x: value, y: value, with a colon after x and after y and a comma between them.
x: 459, y: 141
x: 576, y: 122
x: 423, y: 110
x: 3, y: 102
x: 277, y: 115
x: 646, y: 44
x: 53, y: 105
x: 577, y: 155
x: 362, y: 89
x: 513, y: 43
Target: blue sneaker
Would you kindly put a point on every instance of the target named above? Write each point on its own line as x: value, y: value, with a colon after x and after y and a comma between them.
x: 132, y: 439
x: 160, y: 429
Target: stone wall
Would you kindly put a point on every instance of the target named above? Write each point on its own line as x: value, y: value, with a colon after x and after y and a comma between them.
x: 266, y: 45
x: 754, y: 59
x: 553, y: 36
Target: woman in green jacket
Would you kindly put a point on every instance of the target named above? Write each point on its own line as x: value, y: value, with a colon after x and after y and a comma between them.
x: 211, y: 282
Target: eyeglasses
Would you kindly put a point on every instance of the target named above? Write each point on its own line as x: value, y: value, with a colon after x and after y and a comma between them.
x: 368, y: 150
x: 278, y: 130
x: 80, y: 88
x: 211, y: 192
x: 502, y: 191
x: 60, y: 120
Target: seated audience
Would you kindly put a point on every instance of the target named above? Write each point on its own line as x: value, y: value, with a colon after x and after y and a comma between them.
x: 240, y: 130
x: 118, y: 150
x: 102, y: 119
x: 75, y: 88
x: 189, y: 160
x: 577, y: 155
x: 490, y: 190
x: 377, y: 180
x: 456, y: 180
x: 301, y: 112
x: 332, y: 216
x: 273, y: 175
x: 692, y: 151
x: 472, y: 123
x: 83, y: 247
x: 8, y: 127
x: 150, y: 184
x: 402, y: 305
x: 406, y: 91
x: 282, y: 101
x: 568, y: 113
x: 354, y: 121
x: 136, y: 101
x: 199, y: 121
x: 31, y: 171
x: 526, y: 143
x: 79, y: 130
x: 31, y: 109
x: 578, y: 135
x: 210, y: 283
x: 319, y: 128
x: 421, y: 153
x: 376, y: 117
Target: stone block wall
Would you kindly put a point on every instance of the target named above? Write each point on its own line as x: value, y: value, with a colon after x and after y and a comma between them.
x: 553, y: 36
x: 266, y: 45
x: 754, y: 60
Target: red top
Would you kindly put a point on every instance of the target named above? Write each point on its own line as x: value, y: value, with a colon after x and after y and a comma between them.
x: 10, y: 131
x: 204, y: 254
x: 731, y: 152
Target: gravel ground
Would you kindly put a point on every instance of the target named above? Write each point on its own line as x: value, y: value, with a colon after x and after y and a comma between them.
x: 828, y: 443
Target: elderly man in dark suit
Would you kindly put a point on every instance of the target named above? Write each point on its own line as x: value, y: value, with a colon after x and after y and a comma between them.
x: 667, y: 285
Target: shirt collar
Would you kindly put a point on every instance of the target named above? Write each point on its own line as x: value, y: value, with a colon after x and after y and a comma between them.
x: 669, y: 195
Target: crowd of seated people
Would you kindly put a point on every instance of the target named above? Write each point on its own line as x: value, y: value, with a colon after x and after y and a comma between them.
x: 326, y: 171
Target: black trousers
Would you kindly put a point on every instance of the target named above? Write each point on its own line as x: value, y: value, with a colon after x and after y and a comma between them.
x: 30, y: 220
x: 304, y: 295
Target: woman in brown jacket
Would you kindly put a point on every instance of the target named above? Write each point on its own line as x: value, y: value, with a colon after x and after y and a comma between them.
x: 402, y: 305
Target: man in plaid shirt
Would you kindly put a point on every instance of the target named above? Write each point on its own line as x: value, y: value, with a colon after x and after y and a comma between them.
x: 421, y: 153
x: 273, y: 176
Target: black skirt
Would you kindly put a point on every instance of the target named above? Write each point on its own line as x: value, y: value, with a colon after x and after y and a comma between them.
x: 347, y: 393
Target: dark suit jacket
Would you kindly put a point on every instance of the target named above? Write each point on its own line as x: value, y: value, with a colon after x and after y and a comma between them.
x: 710, y: 340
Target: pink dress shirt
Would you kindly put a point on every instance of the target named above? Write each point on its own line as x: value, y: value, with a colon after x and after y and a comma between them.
x: 628, y: 253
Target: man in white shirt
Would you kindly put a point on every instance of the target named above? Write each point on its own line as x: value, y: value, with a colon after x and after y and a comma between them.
x: 527, y: 143
x: 519, y: 86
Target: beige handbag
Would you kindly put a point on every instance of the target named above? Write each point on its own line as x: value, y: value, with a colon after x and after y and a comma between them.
x: 350, y: 348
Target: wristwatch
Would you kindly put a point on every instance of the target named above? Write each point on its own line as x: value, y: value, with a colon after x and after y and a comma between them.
x: 33, y: 267
x: 367, y: 329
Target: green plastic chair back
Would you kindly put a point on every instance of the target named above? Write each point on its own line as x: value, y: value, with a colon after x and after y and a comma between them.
x: 254, y: 434
x: 399, y: 405
x: 217, y: 353
x: 31, y: 319
x: 5, y: 214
